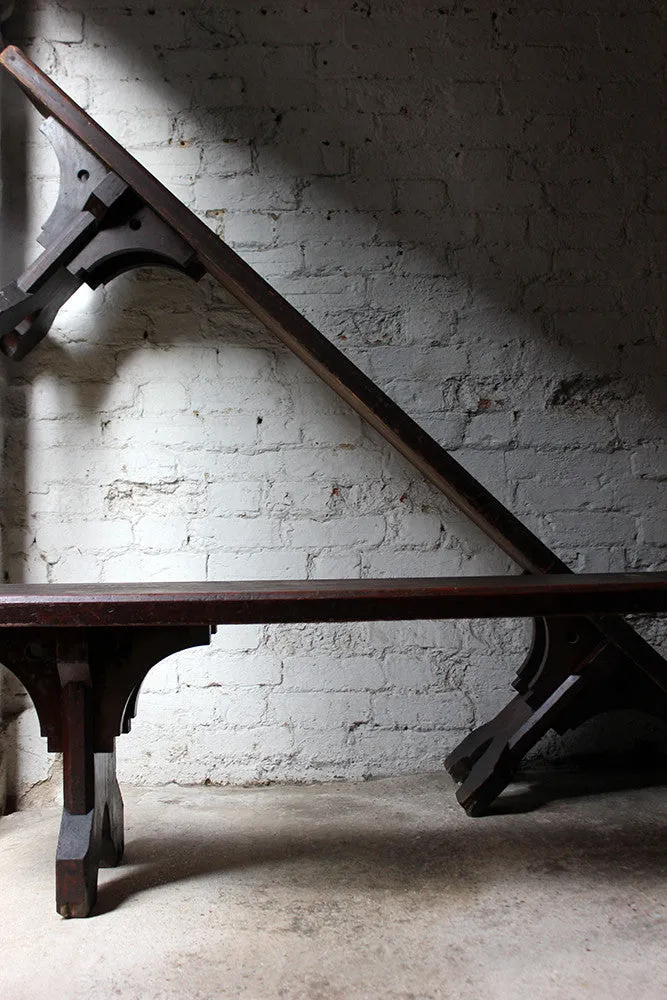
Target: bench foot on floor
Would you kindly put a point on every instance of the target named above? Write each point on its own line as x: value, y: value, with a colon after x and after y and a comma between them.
x: 91, y: 830
x: 77, y: 863
x: 517, y: 729
x: 571, y: 673
x: 89, y: 841
x: 99, y: 676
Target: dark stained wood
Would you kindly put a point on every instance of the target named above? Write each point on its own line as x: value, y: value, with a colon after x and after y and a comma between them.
x: 95, y: 645
x: 92, y: 807
x: 91, y: 836
x: 120, y: 659
x: 31, y: 656
x: 95, y: 605
x: 78, y: 764
x: 564, y: 690
x: 110, y: 810
x: 77, y: 864
x: 92, y: 678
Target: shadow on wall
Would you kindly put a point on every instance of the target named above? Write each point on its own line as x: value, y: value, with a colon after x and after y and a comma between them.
x: 503, y: 173
x: 479, y: 185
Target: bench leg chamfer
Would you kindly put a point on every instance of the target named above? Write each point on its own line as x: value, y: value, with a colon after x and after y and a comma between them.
x: 88, y: 840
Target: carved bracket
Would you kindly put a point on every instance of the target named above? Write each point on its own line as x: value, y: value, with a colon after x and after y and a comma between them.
x: 114, y: 665
x: 569, y: 675
x: 119, y: 662
x: 98, y: 229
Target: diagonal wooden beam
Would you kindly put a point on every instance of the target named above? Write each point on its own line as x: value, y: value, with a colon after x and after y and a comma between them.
x: 293, y: 329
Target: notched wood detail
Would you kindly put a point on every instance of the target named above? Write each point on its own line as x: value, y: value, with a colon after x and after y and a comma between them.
x: 98, y: 229
x: 31, y: 655
x: 569, y: 675
x: 120, y: 660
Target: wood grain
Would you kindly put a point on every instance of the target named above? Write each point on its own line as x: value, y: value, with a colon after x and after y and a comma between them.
x: 95, y: 605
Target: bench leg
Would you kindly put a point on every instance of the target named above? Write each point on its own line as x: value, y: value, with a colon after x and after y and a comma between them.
x: 91, y: 830
x: 89, y: 841
x: 109, y: 804
x: 561, y: 683
x: 569, y: 676
x: 463, y: 757
x: 84, y: 684
x: 494, y: 768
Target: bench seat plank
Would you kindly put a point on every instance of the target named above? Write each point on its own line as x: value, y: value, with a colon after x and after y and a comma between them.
x: 265, y: 601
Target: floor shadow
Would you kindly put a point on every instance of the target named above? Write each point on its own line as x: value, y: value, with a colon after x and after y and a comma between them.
x: 457, y: 857
x: 586, y: 776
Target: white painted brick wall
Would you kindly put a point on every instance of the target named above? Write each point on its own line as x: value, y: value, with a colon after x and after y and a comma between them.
x: 468, y: 200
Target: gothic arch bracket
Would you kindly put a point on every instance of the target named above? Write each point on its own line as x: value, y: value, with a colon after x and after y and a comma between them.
x: 98, y: 229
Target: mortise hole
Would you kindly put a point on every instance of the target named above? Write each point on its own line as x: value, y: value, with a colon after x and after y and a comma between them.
x: 135, y: 224
x: 83, y: 175
x: 34, y: 651
x: 573, y: 638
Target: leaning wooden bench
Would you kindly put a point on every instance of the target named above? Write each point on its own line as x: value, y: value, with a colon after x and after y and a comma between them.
x: 83, y: 651
x: 112, y: 215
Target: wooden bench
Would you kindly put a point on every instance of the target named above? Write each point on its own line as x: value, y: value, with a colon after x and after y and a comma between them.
x: 82, y: 652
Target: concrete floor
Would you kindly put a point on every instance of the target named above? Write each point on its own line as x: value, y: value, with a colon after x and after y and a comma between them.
x: 381, y: 889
